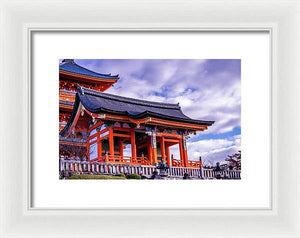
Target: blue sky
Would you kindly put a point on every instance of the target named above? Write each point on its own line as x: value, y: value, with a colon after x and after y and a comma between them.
x: 205, y: 89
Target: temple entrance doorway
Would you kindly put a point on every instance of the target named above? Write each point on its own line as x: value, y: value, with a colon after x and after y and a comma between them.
x: 175, y: 154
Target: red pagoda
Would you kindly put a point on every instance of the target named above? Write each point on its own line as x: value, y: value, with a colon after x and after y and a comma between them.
x: 70, y: 76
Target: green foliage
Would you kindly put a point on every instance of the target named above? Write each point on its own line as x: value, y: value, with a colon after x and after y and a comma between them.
x: 134, y: 176
x: 92, y: 176
x: 121, y: 175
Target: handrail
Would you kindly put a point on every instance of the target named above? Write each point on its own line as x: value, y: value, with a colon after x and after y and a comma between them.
x: 124, y: 160
x: 177, y: 163
x: 194, y: 164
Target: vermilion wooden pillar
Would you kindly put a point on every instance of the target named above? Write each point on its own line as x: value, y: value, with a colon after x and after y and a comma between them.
x: 133, y: 145
x: 181, y: 152
x: 149, y: 149
x: 99, y: 142
x: 185, y: 157
x: 154, y: 152
x: 111, y: 141
x: 168, y: 155
x: 121, y: 148
x: 88, y: 148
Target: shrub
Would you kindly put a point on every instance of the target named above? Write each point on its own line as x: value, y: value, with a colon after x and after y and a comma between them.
x: 134, y: 176
x: 92, y: 176
x: 121, y: 175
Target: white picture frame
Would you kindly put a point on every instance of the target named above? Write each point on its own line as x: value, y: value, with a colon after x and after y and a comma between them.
x: 19, y: 19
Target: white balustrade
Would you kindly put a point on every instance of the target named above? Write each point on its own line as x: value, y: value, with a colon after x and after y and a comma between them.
x: 76, y: 166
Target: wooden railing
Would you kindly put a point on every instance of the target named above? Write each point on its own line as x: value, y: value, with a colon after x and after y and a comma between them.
x: 194, y: 164
x: 204, y: 173
x: 177, y: 163
x: 114, y: 159
x: 191, y: 164
x: 81, y: 167
x: 209, y: 173
x: 96, y: 167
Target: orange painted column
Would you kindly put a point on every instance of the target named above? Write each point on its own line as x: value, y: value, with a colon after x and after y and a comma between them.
x: 111, y: 141
x: 133, y: 145
x: 88, y: 148
x: 99, y: 147
x: 121, y: 148
x: 154, y: 148
x: 162, y: 148
x: 168, y: 155
x: 154, y: 152
x: 186, y: 161
x: 149, y: 150
x: 181, y: 152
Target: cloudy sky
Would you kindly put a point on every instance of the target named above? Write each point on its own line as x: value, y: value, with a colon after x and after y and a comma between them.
x: 205, y: 89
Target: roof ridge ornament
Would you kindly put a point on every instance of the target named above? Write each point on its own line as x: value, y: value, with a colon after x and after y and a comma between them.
x: 70, y: 61
x: 80, y: 89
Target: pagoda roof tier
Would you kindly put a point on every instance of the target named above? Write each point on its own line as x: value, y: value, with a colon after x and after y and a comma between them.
x: 70, y: 67
x: 66, y: 105
x: 99, y: 104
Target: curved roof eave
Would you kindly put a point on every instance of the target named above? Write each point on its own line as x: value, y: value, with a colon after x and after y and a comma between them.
x: 71, y: 67
x: 180, y: 116
x: 89, y: 101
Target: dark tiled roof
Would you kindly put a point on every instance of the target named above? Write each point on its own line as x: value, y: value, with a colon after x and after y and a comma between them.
x: 69, y: 65
x: 98, y: 102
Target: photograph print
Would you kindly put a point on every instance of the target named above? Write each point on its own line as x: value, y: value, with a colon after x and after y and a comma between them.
x: 150, y: 119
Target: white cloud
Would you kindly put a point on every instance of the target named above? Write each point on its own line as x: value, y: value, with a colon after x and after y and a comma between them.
x: 201, y: 95
x: 213, y: 150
